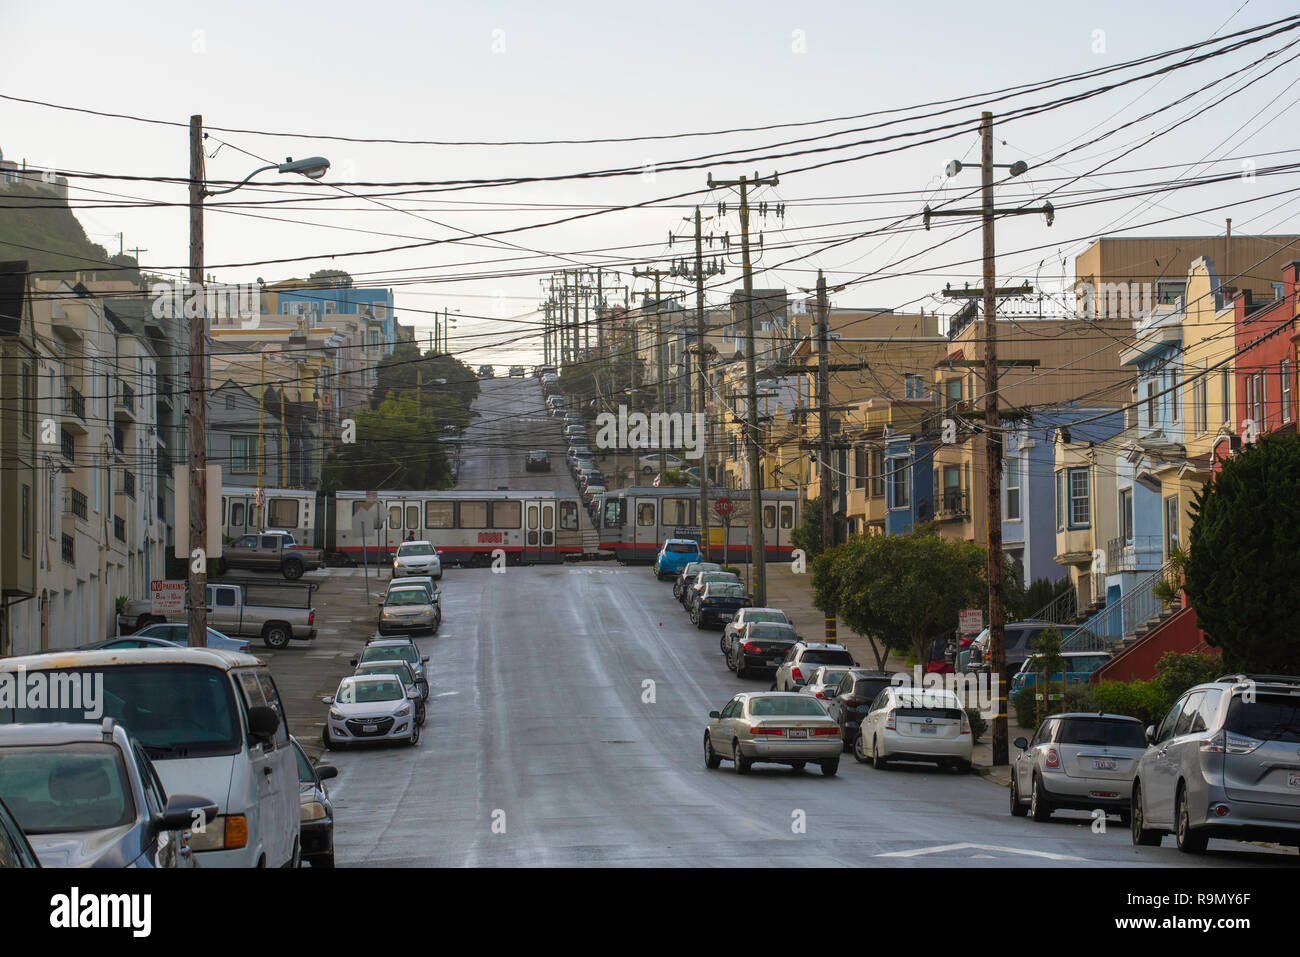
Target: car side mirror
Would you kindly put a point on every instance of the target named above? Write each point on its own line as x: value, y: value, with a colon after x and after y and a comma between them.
x: 715, y: 714
x: 185, y: 812
x: 263, y: 722
x: 413, y: 693
x: 326, y: 771
x: 1021, y: 743
x: 424, y: 660
x: 328, y: 699
x: 353, y: 661
x: 1151, y: 734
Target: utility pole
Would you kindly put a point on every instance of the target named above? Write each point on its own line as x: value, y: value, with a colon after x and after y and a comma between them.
x: 284, y: 443
x: 993, y: 437
x: 198, y: 494
x: 261, y: 404
x: 758, y: 551
x: 824, y: 428
x: 659, y: 356
x: 701, y: 364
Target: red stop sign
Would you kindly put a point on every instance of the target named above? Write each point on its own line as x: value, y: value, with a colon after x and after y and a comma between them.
x: 723, y: 507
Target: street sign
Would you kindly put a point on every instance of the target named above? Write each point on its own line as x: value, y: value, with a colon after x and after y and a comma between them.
x: 970, y: 621
x: 167, y: 598
x: 724, y: 507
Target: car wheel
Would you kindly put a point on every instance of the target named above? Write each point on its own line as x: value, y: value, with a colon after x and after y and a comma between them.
x: 1142, y: 836
x: 293, y: 569
x: 743, y: 764
x: 415, y: 734
x: 1038, y: 807
x: 276, y: 636
x: 722, y: 643
x: 741, y: 671
x: 1018, y: 809
x: 859, y: 750
x: 877, y: 759
x: 961, y: 767
x: 773, y: 688
x: 830, y: 766
x: 731, y: 665
x: 1190, y: 840
x: 712, y: 759
x: 1125, y: 818
x: 799, y: 765
x: 700, y: 622
x: 324, y: 860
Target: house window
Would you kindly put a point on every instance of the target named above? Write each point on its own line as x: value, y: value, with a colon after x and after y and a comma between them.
x: 898, y: 483
x: 1284, y: 373
x: 1151, y: 402
x: 877, y: 473
x: 1060, y: 500
x: 1260, y: 402
x: 1225, y: 385
x: 27, y: 390
x: 1172, y: 396
x: 230, y: 401
x: 27, y: 520
x: 1013, y: 490
x: 1200, y: 407
x: 952, y: 391
x: 1171, y: 524
x: 1126, y: 515
x: 243, y: 453
x: 1168, y: 291
x: 859, y: 468
x: 1080, y: 512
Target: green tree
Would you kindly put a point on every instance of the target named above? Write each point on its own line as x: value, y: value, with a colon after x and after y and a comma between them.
x: 808, y: 536
x: 397, y: 446
x: 1242, y: 573
x: 335, y: 277
x: 435, y: 376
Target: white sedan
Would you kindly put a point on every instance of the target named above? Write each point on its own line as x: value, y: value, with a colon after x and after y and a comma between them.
x: 907, y: 723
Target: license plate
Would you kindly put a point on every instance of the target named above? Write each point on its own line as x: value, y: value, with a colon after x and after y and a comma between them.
x: 1104, y: 764
x: 797, y: 733
x: 775, y: 661
x: 368, y: 728
x: 928, y: 729
x: 1293, y: 779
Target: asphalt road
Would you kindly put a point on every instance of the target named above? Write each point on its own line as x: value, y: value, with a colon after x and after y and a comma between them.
x: 512, y: 419
x: 565, y: 727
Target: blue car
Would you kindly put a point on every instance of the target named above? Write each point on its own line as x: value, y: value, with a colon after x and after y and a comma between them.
x: 674, y: 556
x: 1079, y: 666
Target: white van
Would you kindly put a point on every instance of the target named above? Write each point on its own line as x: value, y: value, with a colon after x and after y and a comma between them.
x: 211, y: 722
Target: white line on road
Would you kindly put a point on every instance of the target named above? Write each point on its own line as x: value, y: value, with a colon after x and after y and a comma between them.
x: 944, y: 848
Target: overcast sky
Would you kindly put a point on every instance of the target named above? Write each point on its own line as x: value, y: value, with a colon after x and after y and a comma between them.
x: 514, y: 71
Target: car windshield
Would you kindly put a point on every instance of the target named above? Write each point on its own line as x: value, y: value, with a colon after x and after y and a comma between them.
x: 404, y: 551
x: 408, y: 596
x: 1102, y: 732
x: 399, y: 668
x: 707, y: 577
x: 390, y: 653
x: 1272, y: 717
x: 726, y: 590
x: 694, y: 568
x: 928, y: 703
x: 832, y: 676
x: 683, y: 548
x: 793, y: 705
x: 369, y: 691
x: 68, y: 787
x: 173, y: 710
x: 816, y: 657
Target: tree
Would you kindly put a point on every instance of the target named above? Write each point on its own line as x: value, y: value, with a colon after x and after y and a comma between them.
x: 1242, y: 573
x: 436, y: 376
x: 397, y: 447
x: 808, y: 536
x: 336, y: 277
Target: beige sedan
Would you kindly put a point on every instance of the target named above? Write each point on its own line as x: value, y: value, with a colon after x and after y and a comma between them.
x: 774, y: 727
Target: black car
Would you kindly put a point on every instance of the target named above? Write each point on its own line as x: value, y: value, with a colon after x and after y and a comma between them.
x: 1018, y: 646
x: 315, y: 810
x: 765, y: 649
x: 15, y: 851
x: 718, y: 602
x: 853, y: 699
x: 537, y: 461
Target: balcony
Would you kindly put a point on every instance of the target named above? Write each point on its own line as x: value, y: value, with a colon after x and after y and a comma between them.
x: 119, y: 528
x: 1141, y: 553
x: 68, y: 549
x: 166, y: 388
x: 953, y: 505
x: 74, y: 412
x: 128, y: 484
x: 68, y: 446
x: 124, y: 404
x: 78, y: 504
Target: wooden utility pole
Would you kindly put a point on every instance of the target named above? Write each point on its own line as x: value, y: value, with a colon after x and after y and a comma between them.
x: 701, y: 363
x: 198, y: 492
x: 658, y: 274
x: 824, y: 430
x: 757, y: 548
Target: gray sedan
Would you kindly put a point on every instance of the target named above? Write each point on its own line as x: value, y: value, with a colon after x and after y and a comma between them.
x: 1077, y: 761
x: 408, y: 609
x: 772, y: 728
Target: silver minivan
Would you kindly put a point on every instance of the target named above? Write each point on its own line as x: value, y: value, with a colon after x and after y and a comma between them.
x: 211, y: 722
x: 1224, y: 762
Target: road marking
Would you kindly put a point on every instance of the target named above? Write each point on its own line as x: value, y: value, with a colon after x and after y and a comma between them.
x: 443, y: 694
x: 944, y: 848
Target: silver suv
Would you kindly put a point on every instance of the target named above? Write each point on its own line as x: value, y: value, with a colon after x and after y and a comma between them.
x: 1224, y: 762
x: 804, y: 658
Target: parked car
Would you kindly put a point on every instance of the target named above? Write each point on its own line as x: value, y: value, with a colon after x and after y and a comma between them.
x: 486, y: 372
x: 408, y: 609
x: 691, y: 593
x: 916, y: 724
x: 772, y: 728
x: 419, y: 581
x: 394, y: 649
x: 591, y: 494
x: 230, y: 613
x: 761, y: 647
x: 1018, y: 646
x: 371, y: 708
x: 408, y: 676
x: 212, y: 723
x: 688, y: 573
x: 417, y: 558
x: 271, y: 551
x: 803, y: 657
x: 650, y: 463
x: 316, y: 810
x: 1079, y: 666
x: 1223, y: 763
x: 171, y: 633
x: 852, y: 700
x: 88, y: 796
x: 718, y: 602
x: 516, y: 372
x: 589, y: 477
x: 767, y: 632
x: 538, y: 460
x: 824, y: 682
x: 1077, y: 761
x: 15, y: 850
x: 743, y: 618
x: 675, y: 554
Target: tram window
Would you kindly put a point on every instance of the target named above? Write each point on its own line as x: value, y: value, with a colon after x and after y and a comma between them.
x: 787, y: 516
x: 224, y: 502
x: 473, y: 514
x: 532, y: 517
x: 677, y: 511
x: 439, y: 514
x: 769, y: 516
x: 359, y: 507
x: 506, y: 514
x: 413, y: 517
x: 645, y: 514
x: 395, y: 517
x: 282, y: 513
x: 615, y: 513
x: 569, y: 516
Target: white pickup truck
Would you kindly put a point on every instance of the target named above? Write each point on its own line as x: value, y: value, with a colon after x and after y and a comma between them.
x: 230, y: 614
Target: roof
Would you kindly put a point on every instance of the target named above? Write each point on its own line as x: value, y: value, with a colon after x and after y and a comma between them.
x: 130, y: 656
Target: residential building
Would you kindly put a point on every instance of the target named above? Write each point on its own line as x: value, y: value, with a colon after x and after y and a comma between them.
x: 19, y: 478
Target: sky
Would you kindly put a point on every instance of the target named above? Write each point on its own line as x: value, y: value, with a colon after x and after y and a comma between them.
x: 497, y: 71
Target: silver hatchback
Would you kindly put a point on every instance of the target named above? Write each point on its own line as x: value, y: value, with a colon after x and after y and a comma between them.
x: 1080, y: 762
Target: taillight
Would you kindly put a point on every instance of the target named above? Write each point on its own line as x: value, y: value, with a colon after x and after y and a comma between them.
x: 776, y: 731
x: 750, y: 647
x: 1053, y: 759
x: 821, y: 694
x: 890, y: 722
x: 796, y: 674
x: 311, y: 617
x: 965, y: 723
x: 1227, y: 743
x: 835, y: 731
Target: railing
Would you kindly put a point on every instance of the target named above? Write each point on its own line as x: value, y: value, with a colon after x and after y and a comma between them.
x: 80, y: 504
x: 119, y: 439
x: 1061, y: 610
x: 119, y: 528
x: 128, y: 484
x: 67, y: 547
x: 67, y: 445
x: 954, y: 504
x: 1142, y: 553
x: 76, y: 403
x: 1113, y: 623
x: 127, y: 398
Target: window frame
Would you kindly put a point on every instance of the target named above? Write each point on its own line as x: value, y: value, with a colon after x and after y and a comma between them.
x: 1076, y: 499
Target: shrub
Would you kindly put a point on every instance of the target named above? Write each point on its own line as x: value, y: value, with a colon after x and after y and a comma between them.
x: 1026, y: 706
x: 1176, y: 672
x: 977, y: 724
x: 1078, y: 697
x: 1144, y: 700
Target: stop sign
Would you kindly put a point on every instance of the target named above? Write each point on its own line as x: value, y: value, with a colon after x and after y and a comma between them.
x: 723, y: 507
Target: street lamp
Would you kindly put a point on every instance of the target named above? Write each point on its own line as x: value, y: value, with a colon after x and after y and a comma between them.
x: 314, y: 167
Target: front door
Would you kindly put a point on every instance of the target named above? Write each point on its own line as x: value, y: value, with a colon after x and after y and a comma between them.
x: 532, y: 530
x: 547, y: 550
x: 645, y: 515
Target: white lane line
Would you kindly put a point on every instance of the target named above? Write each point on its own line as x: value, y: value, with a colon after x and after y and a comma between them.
x: 945, y: 848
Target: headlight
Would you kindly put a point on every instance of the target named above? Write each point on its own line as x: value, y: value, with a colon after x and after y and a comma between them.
x: 227, y: 832
x: 336, y: 715
x: 404, y: 711
x: 313, y: 811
